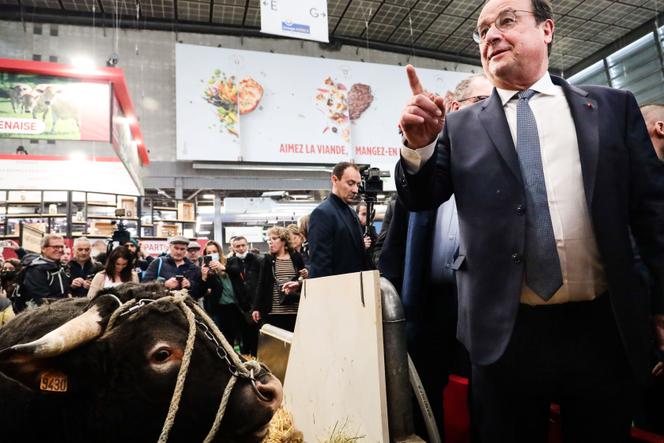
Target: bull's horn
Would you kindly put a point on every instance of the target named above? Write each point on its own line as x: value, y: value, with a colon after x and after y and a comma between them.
x: 75, y: 332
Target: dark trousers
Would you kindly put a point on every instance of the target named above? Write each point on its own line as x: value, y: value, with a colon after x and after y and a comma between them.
x: 283, y: 321
x: 570, y: 354
x: 249, y: 336
x: 228, y: 319
x: 432, y: 345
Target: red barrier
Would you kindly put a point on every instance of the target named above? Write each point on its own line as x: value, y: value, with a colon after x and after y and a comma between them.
x: 457, y: 418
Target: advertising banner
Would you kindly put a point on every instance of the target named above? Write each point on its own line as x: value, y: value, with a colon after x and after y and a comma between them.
x: 125, y: 148
x: 249, y: 106
x: 53, y: 108
x: 295, y: 18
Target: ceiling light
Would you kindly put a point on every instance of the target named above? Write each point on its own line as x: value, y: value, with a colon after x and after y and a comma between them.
x: 77, y: 157
x: 83, y: 63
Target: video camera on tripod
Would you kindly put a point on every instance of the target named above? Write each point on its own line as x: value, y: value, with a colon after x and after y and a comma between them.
x: 371, y: 185
x: 121, y: 235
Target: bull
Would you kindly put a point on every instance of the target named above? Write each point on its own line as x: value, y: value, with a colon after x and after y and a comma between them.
x: 112, y: 368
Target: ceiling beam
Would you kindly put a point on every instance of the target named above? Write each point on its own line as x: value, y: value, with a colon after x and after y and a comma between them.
x: 79, y: 18
x: 609, y: 49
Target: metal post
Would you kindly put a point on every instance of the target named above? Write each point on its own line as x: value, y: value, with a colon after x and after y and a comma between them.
x: 399, y: 393
x: 216, y: 234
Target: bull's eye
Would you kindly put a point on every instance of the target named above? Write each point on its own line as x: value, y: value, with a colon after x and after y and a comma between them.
x: 161, y: 355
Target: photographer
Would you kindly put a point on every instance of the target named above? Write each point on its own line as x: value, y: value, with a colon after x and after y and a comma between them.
x: 220, y: 294
x: 8, y: 274
x: 82, y: 268
x: 335, y: 235
x: 175, y: 270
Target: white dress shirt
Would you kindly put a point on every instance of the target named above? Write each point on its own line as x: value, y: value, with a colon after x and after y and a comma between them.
x: 582, y: 270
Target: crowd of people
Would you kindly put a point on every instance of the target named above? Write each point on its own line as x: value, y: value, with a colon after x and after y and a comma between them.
x: 528, y: 226
x: 238, y: 288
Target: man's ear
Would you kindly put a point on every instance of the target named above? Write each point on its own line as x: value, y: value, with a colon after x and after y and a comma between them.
x: 548, y: 27
x: 454, y: 106
x: 659, y: 129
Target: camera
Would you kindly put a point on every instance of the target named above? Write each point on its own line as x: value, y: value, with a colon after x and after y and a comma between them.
x: 370, y: 186
x: 89, y: 276
x: 207, y: 259
x: 179, y: 278
x: 371, y: 183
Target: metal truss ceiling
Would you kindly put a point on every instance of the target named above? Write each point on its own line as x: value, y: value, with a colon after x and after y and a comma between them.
x: 428, y: 27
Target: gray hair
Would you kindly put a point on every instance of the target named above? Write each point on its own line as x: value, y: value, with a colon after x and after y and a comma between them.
x: 81, y: 240
x: 47, y: 238
x: 462, y: 88
x: 653, y: 111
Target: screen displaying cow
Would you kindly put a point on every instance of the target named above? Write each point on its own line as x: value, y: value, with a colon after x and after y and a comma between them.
x: 53, y: 108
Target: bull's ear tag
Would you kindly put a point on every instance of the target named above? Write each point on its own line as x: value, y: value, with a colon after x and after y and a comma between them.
x: 53, y: 381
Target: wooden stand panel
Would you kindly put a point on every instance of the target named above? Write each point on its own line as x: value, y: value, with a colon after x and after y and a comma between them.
x: 336, y: 367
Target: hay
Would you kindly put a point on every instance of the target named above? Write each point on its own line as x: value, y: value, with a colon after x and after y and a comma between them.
x: 339, y: 434
x: 282, y: 430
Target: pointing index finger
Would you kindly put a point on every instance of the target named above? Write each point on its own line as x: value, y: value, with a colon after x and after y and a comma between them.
x: 413, y: 80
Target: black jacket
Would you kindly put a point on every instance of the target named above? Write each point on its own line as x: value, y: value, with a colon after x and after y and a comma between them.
x: 169, y: 269
x: 89, y: 268
x: 335, y: 240
x: 263, y: 300
x: 244, y: 274
x: 44, y: 278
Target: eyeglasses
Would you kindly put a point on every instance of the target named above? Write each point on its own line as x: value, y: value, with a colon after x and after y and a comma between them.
x: 474, y: 98
x: 505, y: 21
x: 56, y: 246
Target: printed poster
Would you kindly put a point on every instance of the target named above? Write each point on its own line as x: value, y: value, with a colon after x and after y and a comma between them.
x: 235, y: 105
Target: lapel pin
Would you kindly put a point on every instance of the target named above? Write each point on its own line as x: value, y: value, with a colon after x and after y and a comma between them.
x: 589, y: 105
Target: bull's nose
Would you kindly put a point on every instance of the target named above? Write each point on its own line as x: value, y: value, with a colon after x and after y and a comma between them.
x: 270, y: 388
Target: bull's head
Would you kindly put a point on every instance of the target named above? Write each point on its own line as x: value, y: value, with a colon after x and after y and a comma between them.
x: 126, y: 375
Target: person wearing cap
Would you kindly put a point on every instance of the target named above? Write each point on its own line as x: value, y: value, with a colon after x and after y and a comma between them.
x: 175, y: 264
x: 194, y: 253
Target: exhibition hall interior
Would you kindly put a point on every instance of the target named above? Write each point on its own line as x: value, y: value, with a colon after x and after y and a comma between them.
x: 300, y: 220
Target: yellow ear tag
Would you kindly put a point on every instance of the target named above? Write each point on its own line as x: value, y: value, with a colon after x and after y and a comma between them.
x: 53, y: 381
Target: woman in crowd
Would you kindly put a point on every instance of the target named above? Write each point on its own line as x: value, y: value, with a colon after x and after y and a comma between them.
x: 277, y: 297
x: 297, y: 241
x: 117, y: 270
x: 368, y: 231
x: 8, y: 274
x: 220, y: 300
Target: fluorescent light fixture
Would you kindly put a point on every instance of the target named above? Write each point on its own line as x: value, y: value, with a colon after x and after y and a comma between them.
x: 77, y: 156
x: 83, y: 63
x: 208, y: 196
x: 286, y: 168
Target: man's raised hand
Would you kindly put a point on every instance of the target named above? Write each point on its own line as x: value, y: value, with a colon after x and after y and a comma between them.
x: 423, y: 117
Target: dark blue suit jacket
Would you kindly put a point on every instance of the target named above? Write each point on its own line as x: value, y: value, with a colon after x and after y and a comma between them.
x: 475, y: 160
x: 335, y: 240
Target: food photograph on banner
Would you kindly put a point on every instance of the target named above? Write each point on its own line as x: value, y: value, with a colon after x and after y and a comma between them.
x: 235, y: 105
x: 53, y: 108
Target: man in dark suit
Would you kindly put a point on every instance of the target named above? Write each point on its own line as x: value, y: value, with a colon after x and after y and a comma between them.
x: 335, y: 236
x: 548, y: 180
